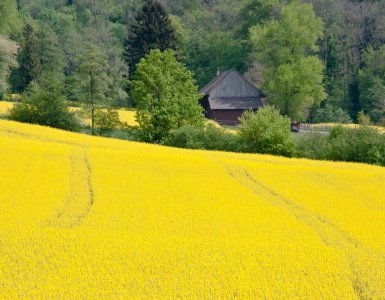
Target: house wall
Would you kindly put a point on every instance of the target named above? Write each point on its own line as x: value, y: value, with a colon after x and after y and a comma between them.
x: 233, y: 85
x: 223, y: 116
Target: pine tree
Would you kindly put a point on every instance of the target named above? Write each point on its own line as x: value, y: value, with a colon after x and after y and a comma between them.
x: 30, y: 67
x: 152, y: 29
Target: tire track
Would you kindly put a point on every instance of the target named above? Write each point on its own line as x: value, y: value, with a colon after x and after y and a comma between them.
x: 329, y: 233
x: 80, y: 197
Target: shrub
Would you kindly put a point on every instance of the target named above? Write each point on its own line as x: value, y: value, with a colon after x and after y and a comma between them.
x: 363, y: 119
x: 44, y: 105
x: 362, y: 144
x: 106, y: 121
x: 331, y: 114
x: 266, y: 131
x: 311, y: 145
x: 209, y: 138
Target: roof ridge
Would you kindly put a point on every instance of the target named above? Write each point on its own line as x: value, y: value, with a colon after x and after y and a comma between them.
x: 215, y: 81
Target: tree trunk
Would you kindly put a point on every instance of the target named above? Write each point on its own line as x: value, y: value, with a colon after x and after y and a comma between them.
x: 93, y: 120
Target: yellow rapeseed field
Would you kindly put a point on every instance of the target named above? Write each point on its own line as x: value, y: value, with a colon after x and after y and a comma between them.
x: 126, y: 116
x: 83, y: 217
x: 5, y: 107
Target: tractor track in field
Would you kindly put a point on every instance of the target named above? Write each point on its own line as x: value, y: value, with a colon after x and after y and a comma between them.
x: 329, y: 233
x: 80, y: 197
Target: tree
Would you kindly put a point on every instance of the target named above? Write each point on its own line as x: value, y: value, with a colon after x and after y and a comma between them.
x: 8, y: 51
x: 257, y: 12
x: 50, y: 51
x: 92, y: 80
x: 166, y: 96
x: 30, y: 67
x: 152, y: 29
x: 220, y: 50
x: 372, y: 84
x: 331, y: 114
x: 8, y: 16
x: 266, y: 131
x: 106, y: 121
x: 44, y: 104
x: 286, y: 47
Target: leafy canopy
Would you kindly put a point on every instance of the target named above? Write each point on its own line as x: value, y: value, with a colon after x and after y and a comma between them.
x: 44, y: 104
x: 266, y: 131
x: 166, y: 96
x: 8, y: 50
x: 372, y: 84
x: 286, y: 47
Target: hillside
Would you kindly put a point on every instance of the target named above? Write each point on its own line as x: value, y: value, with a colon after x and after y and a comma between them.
x: 86, y: 217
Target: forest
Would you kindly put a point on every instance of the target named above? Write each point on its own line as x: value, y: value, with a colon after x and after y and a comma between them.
x: 325, y: 58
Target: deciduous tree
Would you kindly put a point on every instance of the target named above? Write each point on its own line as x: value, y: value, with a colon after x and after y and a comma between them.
x: 8, y: 50
x: 92, y: 81
x: 166, y: 96
x: 293, y: 74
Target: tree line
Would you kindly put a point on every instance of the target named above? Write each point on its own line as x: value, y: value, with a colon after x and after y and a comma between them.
x: 317, y: 60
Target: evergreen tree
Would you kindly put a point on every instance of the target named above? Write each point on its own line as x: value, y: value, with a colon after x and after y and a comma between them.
x: 152, y: 29
x: 30, y: 67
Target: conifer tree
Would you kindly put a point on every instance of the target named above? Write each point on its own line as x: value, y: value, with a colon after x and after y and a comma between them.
x: 30, y: 67
x: 152, y: 29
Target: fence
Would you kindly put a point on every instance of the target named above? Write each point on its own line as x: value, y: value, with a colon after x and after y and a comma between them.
x: 228, y: 123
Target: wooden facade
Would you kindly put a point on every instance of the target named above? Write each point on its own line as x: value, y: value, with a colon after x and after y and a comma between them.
x: 227, y: 96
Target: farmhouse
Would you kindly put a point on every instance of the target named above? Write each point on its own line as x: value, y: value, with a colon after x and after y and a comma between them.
x: 228, y: 95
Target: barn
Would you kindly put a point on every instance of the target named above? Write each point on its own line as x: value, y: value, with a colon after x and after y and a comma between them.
x: 228, y: 95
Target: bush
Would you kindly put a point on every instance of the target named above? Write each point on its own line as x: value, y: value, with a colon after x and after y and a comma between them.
x: 331, y: 114
x: 44, y: 105
x: 363, y: 119
x: 209, y: 138
x: 106, y: 121
x: 362, y: 144
x: 311, y: 145
x: 266, y: 131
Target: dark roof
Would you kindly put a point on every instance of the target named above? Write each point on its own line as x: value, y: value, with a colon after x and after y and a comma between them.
x: 206, y: 90
x: 235, y: 103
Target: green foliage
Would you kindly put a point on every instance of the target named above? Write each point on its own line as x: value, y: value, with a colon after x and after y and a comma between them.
x: 363, y: 144
x: 292, y: 74
x: 331, y: 114
x: 266, y: 131
x: 363, y: 119
x: 372, y: 84
x: 49, y: 49
x: 8, y: 50
x: 219, y: 50
x: 209, y: 138
x: 43, y: 104
x: 311, y: 145
x: 106, y: 121
x: 91, y: 80
x: 30, y: 67
x: 9, y: 21
x: 256, y: 12
x: 166, y: 96
x: 152, y: 29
